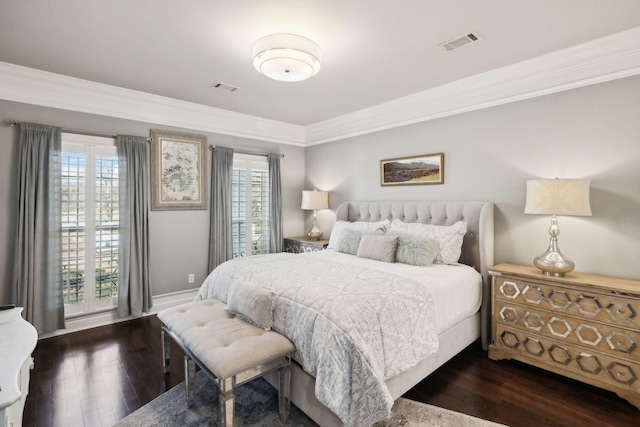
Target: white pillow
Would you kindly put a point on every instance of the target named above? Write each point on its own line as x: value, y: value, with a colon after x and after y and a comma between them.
x: 449, y: 237
x: 362, y: 226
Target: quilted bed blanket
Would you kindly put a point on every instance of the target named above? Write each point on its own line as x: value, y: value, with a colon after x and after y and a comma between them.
x: 353, y: 327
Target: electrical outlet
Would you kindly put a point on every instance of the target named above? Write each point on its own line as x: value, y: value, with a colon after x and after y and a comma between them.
x: 192, y: 278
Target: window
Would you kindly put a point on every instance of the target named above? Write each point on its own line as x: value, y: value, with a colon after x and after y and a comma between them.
x: 250, y: 205
x: 90, y: 223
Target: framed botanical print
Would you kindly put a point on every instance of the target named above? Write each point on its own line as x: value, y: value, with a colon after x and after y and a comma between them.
x: 178, y: 171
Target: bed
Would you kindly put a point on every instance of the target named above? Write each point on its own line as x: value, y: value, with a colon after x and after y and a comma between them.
x: 367, y: 331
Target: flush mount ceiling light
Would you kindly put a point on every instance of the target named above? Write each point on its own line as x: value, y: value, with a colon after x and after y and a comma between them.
x: 286, y: 57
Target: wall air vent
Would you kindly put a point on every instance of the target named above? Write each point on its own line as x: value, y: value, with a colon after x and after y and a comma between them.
x: 460, y: 41
x: 223, y: 86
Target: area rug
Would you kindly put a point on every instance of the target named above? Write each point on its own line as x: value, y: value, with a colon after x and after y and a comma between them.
x: 257, y: 405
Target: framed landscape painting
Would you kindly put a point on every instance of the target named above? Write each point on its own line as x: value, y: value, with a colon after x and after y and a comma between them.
x: 415, y: 170
x: 178, y: 171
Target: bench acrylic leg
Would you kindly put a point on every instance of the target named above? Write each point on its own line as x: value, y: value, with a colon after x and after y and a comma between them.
x: 227, y: 401
x: 190, y: 378
x: 284, y: 391
x: 166, y: 351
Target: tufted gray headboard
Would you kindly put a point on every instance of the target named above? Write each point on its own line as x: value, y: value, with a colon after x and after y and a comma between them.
x: 477, y: 247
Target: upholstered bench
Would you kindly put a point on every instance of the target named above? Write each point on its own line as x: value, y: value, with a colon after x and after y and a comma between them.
x: 230, y: 350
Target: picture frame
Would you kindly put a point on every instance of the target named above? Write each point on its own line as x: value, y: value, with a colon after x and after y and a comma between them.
x: 425, y: 169
x: 178, y: 171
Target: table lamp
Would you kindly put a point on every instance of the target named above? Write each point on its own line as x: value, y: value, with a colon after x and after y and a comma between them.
x: 556, y: 197
x: 314, y: 200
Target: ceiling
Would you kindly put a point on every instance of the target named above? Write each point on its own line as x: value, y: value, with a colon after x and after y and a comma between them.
x: 373, y: 51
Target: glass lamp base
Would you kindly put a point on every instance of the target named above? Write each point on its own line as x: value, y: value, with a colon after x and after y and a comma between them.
x: 314, y: 234
x: 552, y: 262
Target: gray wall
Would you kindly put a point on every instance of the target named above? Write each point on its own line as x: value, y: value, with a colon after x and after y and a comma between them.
x: 178, y: 239
x: 591, y: 132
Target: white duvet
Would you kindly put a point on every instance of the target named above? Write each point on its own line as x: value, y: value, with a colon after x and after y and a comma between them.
x: 355, y: 322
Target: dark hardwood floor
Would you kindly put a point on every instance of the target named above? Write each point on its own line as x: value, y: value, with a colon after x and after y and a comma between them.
x: 96, y: 377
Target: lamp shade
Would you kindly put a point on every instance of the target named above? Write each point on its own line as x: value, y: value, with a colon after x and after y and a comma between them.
x: 314, y: 200
x: 286, y: 57
x: 558, y: 197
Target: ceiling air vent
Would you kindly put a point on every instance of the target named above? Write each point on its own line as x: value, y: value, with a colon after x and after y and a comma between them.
x: 223, y: 86
x: 460, y: 41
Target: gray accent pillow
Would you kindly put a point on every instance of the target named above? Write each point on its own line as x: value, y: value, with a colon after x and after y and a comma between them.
x: 349, y: 242
x: 416, y: 250
x: 251, y: 303
x: 378, y: 247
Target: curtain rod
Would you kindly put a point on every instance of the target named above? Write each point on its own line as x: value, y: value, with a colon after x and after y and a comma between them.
x: 251, y: 153
x: 76, y: 131
x: 113, y: 135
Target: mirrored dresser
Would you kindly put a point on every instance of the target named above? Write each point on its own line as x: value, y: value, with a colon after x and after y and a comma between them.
x: 583, y: 326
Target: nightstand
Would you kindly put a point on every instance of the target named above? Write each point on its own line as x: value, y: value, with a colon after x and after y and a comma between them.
x: 298, y: 245
x: 582, y: 326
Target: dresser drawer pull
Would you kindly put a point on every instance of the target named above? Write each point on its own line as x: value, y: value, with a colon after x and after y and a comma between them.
x: 621, y: 373
x: 621, y: 311
x: 509, y: 289
x: 509, y: 315
x: 622, y: 342
x: 509, y: 339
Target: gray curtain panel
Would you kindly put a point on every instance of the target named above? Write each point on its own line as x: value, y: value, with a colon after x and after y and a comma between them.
x: 37, y: 284
x: 134, y: 287
x: 220, y: 239
x: 276, y: 242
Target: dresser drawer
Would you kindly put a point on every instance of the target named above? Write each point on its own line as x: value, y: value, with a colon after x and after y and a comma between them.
x: 594, y: 367
x: 576, y: 331
x: 619, y: 308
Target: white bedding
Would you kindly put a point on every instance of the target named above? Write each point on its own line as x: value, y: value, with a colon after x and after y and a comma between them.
x: 456, y: 288
x: 355, y: 322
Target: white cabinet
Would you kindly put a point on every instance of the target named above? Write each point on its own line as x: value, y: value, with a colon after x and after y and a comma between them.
x: 18, y: 339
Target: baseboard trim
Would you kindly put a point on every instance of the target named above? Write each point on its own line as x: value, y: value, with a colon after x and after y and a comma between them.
x: 160, y: 302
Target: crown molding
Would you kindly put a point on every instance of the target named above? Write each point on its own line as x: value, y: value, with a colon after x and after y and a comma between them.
x: 31, y: 86
x: 608, y: 58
